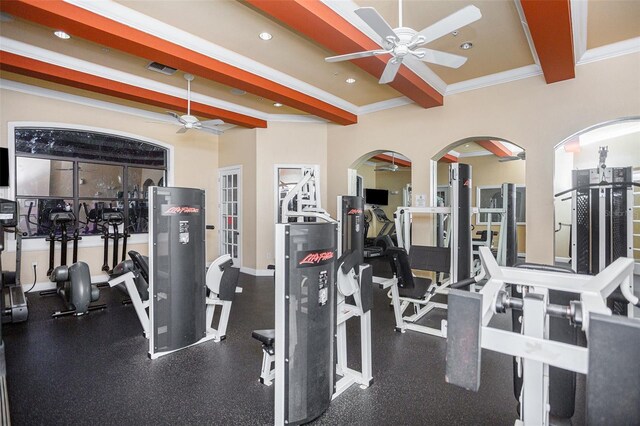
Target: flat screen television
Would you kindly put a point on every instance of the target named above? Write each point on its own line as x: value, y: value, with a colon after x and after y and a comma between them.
x: 378, y: 197
x: 4, y: 167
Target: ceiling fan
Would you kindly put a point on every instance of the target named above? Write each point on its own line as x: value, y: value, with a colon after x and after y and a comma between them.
x: 403, y: 43
x: 519, y: 156
x: 188, y: 121
x: 393, y: 167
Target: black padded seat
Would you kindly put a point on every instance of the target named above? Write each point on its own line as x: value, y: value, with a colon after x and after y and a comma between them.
x: 408, y: 285
x: 267, y: 336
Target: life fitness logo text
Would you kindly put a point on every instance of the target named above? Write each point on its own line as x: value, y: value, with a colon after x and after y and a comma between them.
x: 354, y: 211
x: 311, y: 258
x: 169, y: 210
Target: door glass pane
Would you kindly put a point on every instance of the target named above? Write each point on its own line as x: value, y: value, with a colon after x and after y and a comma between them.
x: 235, y: 181
x: 43, y: 177
x: 100, y: 180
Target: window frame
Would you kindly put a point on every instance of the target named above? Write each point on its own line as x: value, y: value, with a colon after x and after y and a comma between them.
x: 38, y: 242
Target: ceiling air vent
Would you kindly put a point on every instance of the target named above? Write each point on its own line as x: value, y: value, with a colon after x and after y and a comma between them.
x: 163, y: 69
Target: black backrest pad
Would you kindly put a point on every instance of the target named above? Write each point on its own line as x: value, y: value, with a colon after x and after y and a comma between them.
x: 401, y: 266
x: 437, y: 259
x: 229, y: 281
x: 141, y: 262
x: 366, y: 287
x: 613, y: 382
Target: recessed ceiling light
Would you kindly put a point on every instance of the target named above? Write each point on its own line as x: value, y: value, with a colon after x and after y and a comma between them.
x: 455, y: 33
x: 350, y: 80
x: 265, y: 36
x: 466, y: 45
x: 466, y: 145
x: 62, y: 35
x: 238, y: 92
x: 277, y: 105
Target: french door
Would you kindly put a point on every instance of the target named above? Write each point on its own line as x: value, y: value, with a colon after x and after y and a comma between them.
x: 230, y: 196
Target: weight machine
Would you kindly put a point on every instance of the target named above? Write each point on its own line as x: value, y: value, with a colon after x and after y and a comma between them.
x: 182, y: 299
x: 601, y: 215
x: 610, y: 361
x: 450, y: 255
x: 315, y: 278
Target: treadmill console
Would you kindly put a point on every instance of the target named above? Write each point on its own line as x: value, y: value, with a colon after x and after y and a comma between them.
x: 8, y: 213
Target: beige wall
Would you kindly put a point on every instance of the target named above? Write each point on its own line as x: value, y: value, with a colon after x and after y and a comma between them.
x: 238, y: 148
x: 285, y: 143
x: 259, y: 151
x: 529, y: 113
x: 195, y: 161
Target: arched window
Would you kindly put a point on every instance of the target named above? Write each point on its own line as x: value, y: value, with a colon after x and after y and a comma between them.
x: 86, y: 172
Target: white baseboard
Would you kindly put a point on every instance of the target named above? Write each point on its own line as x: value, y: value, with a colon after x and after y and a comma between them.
x: 48, y: 285
x: 257, y: 272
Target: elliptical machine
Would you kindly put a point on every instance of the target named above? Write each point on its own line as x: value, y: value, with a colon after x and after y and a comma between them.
x: 73, y: 283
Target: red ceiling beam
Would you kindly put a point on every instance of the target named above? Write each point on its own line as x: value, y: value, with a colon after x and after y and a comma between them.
x: 319, y: 22
x: 549, y: 23
x: 390, y: 159
x: 98, y: 29
x: 68, y: 77
x: 496, y: 148
x: 448, y: 158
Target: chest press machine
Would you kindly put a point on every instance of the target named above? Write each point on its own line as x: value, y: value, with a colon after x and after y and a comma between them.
x: 610, y: 360
x: 451, y: 255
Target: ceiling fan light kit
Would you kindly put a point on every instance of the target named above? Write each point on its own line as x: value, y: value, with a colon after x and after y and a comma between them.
x: 403, y: 43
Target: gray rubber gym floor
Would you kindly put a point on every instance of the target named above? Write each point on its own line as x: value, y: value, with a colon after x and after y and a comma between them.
x: 95, y: 370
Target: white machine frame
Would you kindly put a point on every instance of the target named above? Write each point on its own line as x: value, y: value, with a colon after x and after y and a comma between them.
x: 532, y: 347
x: 421, y: 307
x: 213, y: 278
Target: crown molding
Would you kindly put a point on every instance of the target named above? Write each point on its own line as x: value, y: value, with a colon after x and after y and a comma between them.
x: 141, y: 22
x: 620, y: 48
x: 382, y: 105
x: 579, y: 12
x: 527, y: 33
x: 494, y: 79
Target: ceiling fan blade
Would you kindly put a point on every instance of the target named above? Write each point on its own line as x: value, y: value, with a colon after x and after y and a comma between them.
x: 176, y: 116
x: 182, y: 130
x: 210, y: 130
x: 439, y: 58
x: 447, y: 25
x: 377, y: 23
x: 356, y: 55
x: 390, y: 70
x: 211, y: 122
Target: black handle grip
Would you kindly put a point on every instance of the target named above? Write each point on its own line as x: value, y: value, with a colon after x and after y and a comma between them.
x: 210, y: 227
x: 464, y: 283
